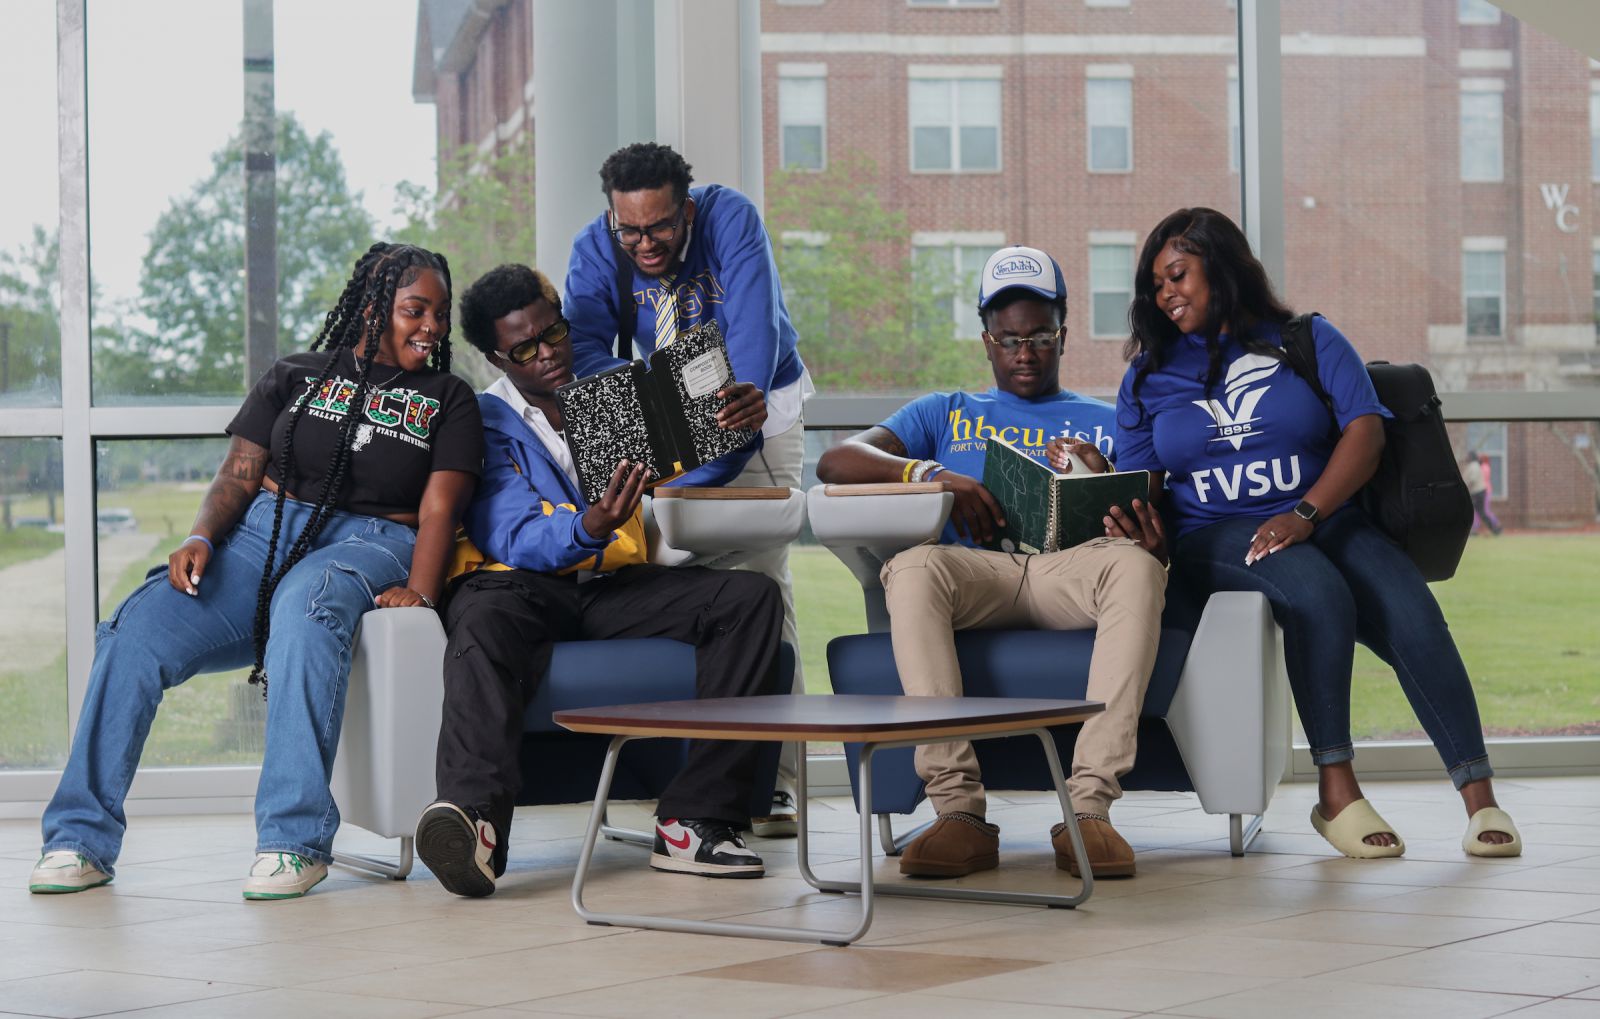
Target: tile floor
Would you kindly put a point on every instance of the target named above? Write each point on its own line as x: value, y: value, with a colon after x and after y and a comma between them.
x: 1290, y: 930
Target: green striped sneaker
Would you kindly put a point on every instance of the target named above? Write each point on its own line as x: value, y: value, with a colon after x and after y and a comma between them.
x: 282, y: 876
x: 63, y: 871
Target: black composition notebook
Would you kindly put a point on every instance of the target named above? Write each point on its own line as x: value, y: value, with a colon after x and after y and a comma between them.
x: 664, y: 415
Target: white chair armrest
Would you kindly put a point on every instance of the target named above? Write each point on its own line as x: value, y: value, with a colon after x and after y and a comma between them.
x: 723, y: 520
x: 866, y: 530
x: 867, y: 525
x: 1233, y: 688
x: 383, y: 774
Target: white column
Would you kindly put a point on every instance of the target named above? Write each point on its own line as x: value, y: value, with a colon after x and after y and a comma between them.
x: 1261, y: 128
x: 577, y: 67
x: 708, y: 88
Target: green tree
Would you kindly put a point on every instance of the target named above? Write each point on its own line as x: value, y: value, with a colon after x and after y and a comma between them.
x: 184, y: 333
x: 30, y: 336
x: 869, y: 318
x: 479, y: 216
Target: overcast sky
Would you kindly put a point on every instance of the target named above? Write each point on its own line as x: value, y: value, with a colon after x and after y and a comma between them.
x: 166, y: 91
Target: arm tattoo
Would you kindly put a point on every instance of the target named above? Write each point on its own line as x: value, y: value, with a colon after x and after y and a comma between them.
x: 237, y: 482
x: 879, y: 437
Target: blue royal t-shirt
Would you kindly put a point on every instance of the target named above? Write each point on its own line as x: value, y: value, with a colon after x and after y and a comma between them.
x: 1257, y: 443
x: 954, y: 428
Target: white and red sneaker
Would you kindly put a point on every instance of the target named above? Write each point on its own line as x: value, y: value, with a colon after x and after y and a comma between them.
x: 458, y: 847
x: 697, y: 845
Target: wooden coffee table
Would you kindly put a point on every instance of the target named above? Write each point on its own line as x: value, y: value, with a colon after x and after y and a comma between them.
x: 875, y: 722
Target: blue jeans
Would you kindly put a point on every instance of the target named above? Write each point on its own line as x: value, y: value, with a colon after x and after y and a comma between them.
x: 1348, y: 583
x: 159, y: 637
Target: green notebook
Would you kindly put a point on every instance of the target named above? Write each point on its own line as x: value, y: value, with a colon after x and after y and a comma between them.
x: 1046, y: 511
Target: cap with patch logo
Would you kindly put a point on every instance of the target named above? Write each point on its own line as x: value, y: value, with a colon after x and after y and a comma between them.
x: 1018, y: 266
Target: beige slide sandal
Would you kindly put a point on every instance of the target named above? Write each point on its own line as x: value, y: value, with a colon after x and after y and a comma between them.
x: 1491, y: 819
x: 1354, y: 823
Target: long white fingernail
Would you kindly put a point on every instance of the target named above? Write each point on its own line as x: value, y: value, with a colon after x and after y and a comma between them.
x: 191, y: 592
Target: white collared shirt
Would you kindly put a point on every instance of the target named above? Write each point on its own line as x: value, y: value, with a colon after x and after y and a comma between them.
x: 553, y: 440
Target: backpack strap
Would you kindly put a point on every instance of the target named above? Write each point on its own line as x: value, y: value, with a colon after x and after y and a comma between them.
x: 1300, y: 354
x: 626, y: 315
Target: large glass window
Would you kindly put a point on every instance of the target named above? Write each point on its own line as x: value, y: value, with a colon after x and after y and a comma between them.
x: 1483, y: 289
x: 1482, y: 134
x: 1477, y: 284
x: 955, y: 123
x: 33, y: 587
x: 166, y: 183
x: 1109, y: 104
x: 802, y: 120
x: 30, y: 340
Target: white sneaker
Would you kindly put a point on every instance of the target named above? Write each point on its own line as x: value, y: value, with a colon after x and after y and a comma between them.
x: 278, y: 875
x: 780, y: 822
x: 63, y: 870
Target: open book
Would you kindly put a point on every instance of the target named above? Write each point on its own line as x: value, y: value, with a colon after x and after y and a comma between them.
x: 664, y: 416
x: 1046, y: 511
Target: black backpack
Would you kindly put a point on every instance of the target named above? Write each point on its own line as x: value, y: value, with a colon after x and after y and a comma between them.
x: 1416, y: 496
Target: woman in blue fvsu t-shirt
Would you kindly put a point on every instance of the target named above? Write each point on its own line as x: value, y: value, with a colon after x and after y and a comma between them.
x: 1260, y: 484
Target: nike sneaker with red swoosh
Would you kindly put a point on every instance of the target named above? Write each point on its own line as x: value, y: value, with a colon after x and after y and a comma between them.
x: 704, y: 846
x: 457, y: 846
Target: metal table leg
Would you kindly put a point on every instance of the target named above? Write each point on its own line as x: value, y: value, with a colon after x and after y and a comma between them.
x: 667, y: 923
x: 396, y: 871
x: 867, y: 886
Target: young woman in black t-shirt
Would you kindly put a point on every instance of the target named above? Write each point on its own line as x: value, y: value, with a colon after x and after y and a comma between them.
x: 347, y: 473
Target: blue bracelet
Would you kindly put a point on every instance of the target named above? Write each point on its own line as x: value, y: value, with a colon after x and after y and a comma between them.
x: 200, y: 537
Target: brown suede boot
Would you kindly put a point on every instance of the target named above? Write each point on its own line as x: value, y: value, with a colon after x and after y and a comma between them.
x: 1109, y: 853
x: 955, y: 845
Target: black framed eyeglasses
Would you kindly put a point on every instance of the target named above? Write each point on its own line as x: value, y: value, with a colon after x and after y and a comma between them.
x: 554, y: 334
x: 1038, y: 342
x: 662, y: 232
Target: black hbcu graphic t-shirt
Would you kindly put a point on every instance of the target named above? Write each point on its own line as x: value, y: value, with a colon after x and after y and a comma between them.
x: 414, y: 423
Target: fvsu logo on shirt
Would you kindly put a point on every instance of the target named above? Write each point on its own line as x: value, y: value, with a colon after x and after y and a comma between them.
x: 1233, y: 421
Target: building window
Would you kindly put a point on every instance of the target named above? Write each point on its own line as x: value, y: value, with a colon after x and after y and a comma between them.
x: 1597, y: 293
x: 1481, y: 116
x: 1110, y: 116
x: 955, y: 124
x: 1235, y: 141
x: 1594, y: 136
x: 802, y: 122
x: 947, y: 286
x: 1110, y: 289
x: 1107, y: 3
x: 1477, y: 12
x: 1483, y: 289
x: 953, y: 3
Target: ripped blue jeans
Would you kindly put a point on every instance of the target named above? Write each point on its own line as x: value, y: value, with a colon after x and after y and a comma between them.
x: 160, y: 637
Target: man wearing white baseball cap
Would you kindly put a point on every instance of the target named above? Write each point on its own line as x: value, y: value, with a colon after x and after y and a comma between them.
x: 1111, y: 584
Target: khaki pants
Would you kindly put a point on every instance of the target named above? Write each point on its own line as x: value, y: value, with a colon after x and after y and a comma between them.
x: 1109, y: 583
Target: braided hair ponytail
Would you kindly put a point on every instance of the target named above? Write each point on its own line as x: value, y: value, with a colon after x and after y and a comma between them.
x: 357, y: 323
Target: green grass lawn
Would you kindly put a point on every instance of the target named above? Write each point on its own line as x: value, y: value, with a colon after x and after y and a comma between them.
x: 1521, y: 608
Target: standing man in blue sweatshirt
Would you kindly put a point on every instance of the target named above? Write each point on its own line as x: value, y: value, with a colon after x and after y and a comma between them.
x: 663, y: 258
x: 543, y: 565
